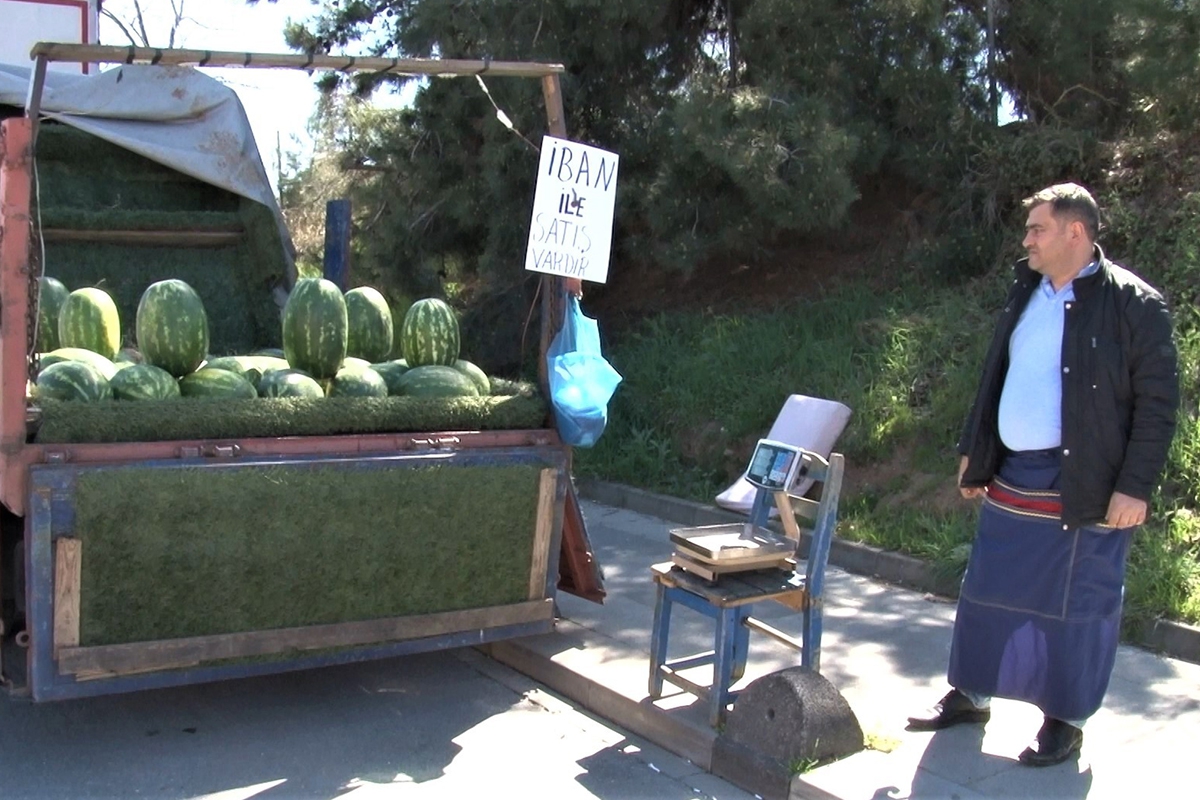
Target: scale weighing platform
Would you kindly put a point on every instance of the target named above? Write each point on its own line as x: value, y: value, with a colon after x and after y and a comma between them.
x: 713, y: 550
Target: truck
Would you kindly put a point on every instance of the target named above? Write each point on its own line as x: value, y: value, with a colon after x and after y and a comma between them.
x: 165, y: 543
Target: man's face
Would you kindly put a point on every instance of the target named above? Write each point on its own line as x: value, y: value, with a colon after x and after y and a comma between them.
x: 1046, y: 240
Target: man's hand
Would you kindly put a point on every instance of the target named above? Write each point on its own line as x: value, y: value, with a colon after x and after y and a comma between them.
x: 968, y: 492
x: 1125, y: 511
x: 574, y: 286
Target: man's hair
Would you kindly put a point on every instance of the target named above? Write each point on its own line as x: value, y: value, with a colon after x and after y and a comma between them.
x: 1069, y: 200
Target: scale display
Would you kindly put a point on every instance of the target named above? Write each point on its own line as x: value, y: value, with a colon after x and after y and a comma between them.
x: 774, y: 465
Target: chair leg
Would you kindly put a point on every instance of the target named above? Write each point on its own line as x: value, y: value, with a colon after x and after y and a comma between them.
x: 741, y: 643
x: 658, y: 640
x: 728, y: 627
x: 810, y: 635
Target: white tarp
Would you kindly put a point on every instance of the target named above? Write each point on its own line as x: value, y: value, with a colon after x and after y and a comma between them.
x: 177, y: 116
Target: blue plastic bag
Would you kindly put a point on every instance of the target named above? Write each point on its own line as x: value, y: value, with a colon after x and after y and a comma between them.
x: 581, y: 381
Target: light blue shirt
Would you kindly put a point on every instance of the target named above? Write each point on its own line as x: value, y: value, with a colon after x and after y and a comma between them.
x: 1031, y: 402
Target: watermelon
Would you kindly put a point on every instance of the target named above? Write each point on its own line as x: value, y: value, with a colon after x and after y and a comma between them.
x: 144, y: 382
x: 355, y: 363
x: 172, y: 328
x: 315, y: 327
x: 288, y: 383
x: 391, y: 371
x: 357, y: 382
x: 252, y: 368
x: 275, y: 352
x: 51, y: 296
x: 73, y: 380
x: 429, y: 334
x: 370, y: 329
x: 89, y: 319
x: 216, y: 383
x: 475, y: 374
x: 435, y: 380
x: 95, y: 360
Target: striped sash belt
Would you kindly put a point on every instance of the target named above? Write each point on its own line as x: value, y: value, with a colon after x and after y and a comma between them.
x: 1034, y: 503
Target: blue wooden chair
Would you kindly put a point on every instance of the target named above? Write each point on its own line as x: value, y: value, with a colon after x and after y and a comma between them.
x: 728, y: 599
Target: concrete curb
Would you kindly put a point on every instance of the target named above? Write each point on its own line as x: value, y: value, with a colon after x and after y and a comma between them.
x: 1173, y: 639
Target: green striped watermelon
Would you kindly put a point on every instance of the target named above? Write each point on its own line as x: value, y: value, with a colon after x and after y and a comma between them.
x: 95, y: 360
x: 435, y: 380
x: 216, y: 383
x: 475, y: 374
x: 172, y: 327
x: 89, y: 319
x: 315, y: 327
x: 73, y: 380
x: 252, y: 368
x: 288, y: 383
x: 51, y: 296
x: 144, y: 382
x: 391, y: 372
x: 430, y: 333
x: 370, y: 324
x: 358, y: 382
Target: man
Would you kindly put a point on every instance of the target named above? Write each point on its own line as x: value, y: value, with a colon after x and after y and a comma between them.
x: 1066, y: 439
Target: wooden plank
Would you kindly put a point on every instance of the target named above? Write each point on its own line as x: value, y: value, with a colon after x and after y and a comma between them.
x: 68, y: 554
x: 15, y: 191
x: 787, y: 515
x: 711, y: 571
x: 146, y: 238
x: 805, y: 506
x: 694, y: 567
x: 578, y: 572
x: 774, y: 633
x: 547, y: 486
x: 99, y: 675
x: 84, y: 53
x: 172, y: 653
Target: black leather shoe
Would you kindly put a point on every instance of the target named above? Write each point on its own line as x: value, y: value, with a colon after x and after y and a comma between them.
x: 953, y: 709
x: 1056, y: 742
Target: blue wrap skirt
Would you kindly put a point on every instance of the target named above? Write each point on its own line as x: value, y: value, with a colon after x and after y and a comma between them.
x: 1039, y: 615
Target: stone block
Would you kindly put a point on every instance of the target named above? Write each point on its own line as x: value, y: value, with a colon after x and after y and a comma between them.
x: 780, y: 724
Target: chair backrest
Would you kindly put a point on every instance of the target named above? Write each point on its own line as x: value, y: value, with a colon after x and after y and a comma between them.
x: 817, y: 511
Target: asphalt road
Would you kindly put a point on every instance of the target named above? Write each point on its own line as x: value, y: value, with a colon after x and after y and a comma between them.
x: 450, y: 724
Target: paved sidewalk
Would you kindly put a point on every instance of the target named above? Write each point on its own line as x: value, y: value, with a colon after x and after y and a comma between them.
x: 885, y: 648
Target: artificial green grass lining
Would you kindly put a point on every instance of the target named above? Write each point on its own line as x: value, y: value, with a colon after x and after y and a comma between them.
x: 85, y: 219
x: 197, y: 418
x: 195, y: 551
x: 77, y: 169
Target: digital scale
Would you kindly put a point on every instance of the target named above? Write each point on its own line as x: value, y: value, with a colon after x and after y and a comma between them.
x: 713, y: 550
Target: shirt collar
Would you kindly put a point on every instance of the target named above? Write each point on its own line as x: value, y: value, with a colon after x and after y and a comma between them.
x: 1090, y: 269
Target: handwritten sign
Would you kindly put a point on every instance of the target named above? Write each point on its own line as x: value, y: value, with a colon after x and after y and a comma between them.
x: 570, y: 233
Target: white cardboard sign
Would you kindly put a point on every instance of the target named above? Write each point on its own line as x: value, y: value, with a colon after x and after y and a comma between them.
x: 570, y: 232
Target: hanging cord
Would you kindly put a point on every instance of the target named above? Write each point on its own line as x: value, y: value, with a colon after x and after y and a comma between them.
x: 500, y: 115
x: 529, y: 318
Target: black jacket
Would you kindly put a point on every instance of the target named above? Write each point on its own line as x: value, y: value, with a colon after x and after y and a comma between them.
x: 1120, y: 391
